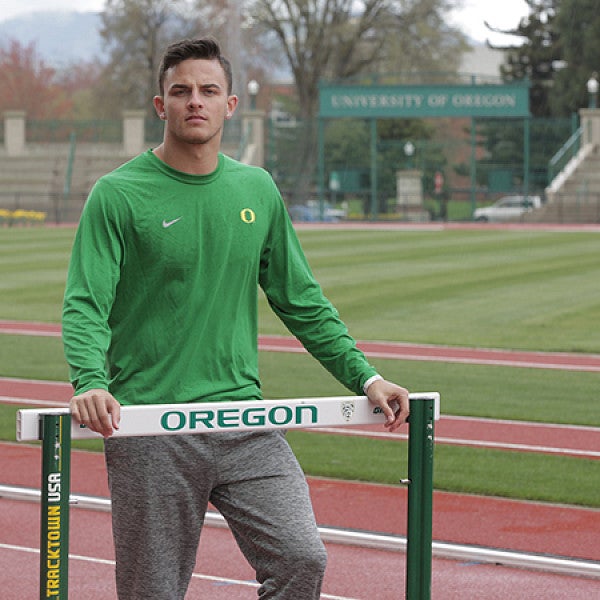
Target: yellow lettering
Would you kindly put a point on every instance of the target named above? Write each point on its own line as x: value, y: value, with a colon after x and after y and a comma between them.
x: 53, y: 550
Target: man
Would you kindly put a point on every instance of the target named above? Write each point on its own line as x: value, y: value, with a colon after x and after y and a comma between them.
x: 161, y: 307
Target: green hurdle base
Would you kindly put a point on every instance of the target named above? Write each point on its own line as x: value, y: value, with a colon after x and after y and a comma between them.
x: 420, y: 499
x: 55, y: 488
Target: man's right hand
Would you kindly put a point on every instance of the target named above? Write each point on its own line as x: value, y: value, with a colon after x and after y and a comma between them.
x: 98, y: 410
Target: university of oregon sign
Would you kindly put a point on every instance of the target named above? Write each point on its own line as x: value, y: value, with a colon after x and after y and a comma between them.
x: 338, y: 101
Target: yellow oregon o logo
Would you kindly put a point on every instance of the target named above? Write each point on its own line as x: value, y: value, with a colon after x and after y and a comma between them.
x: 248, y: 215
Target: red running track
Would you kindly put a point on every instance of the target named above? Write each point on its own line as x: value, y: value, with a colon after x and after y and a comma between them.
x: 222, y: 574
x: 509, y: 435
x: 352, y: 573
x: 457, y: 518
x: 368, y: 574
x: 394, y: 350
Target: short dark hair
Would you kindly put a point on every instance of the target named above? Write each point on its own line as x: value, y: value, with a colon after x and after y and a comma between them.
x: 205, y: 49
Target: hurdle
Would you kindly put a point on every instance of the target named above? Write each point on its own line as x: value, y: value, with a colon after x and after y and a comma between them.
x: 55, y: 429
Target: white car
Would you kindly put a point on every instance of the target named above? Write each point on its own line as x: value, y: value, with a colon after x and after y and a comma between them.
x: 311, y: 211
x: 508, y: 208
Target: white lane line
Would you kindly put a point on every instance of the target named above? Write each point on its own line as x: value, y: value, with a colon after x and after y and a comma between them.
x: 35, y: 381
x: 475, y: 360
x: 463, y: 442
x: 407, y: 354
x: 201, y: 576
x: 32, y: 401
x: 539, y: 424
x: 523, y: 447
x: 32, y: 332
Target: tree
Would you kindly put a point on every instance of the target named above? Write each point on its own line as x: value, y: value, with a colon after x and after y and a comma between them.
x: 28, y: 84
x: 79, y: 82
x: 578, y: 25
x: 136, y: 33
x: 558, y: 54
x: 537, y: 56
x: 250, y: 50
x: 429, y: 48
x: 340, y: 39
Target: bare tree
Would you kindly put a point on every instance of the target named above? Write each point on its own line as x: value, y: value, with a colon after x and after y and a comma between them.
x: 339, y: 39
x: 320, y: 39
x: 135, y: 33
x: 421, y: 42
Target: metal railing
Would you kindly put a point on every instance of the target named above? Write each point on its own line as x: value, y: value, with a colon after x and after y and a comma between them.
x: 568, y: 151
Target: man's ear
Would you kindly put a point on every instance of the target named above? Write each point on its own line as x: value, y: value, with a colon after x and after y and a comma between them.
x: 232, y: 102
x: 159, y: 107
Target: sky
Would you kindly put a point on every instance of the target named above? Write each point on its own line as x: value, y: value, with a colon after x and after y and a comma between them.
x: 503, y: 15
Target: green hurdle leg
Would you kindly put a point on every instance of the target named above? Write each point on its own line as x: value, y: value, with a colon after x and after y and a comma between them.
x: 56, y: 473
x: 420, y: 499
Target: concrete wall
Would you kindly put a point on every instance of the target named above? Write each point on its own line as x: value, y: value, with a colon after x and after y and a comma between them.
x: 55, y: 178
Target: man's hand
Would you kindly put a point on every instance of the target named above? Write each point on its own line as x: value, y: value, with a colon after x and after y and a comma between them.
x: 98, y: 410
x: 393, y: 401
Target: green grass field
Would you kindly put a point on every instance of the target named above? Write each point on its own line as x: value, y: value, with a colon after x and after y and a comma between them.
x: 501, y: 289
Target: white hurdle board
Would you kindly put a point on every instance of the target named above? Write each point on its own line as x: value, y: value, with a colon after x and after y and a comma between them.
x: 208, y: 417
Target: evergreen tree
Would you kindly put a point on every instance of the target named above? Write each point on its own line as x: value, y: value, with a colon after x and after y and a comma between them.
x: 538, y: 54
x: 578, y: 23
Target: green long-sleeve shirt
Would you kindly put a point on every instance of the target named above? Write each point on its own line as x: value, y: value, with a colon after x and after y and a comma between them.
x: 161, y: 299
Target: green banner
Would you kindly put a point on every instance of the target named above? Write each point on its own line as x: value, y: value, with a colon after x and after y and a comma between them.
x: 338, y: 101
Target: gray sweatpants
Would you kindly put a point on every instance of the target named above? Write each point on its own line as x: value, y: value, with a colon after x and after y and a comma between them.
x: 160, y: 487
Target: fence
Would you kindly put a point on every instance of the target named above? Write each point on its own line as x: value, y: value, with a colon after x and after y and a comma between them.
x: 471, y: 174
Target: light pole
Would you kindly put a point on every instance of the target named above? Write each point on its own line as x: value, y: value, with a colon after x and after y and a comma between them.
x: 592, y: 88
x: 409, y: 150
x: 253, y: 127
x: 253, y: 88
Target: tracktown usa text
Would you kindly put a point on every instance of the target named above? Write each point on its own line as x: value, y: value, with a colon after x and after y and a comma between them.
x: 53, y: 541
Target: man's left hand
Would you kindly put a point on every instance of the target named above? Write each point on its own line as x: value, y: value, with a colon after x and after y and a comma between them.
x: 393, y: 401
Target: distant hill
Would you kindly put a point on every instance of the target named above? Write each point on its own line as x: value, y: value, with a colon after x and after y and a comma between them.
x: 61, y: 38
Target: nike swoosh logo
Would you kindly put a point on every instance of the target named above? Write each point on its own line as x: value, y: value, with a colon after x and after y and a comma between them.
x: 169, y: 223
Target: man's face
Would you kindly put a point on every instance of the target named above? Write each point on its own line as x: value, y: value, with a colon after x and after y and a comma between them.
x: 195, y: 102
